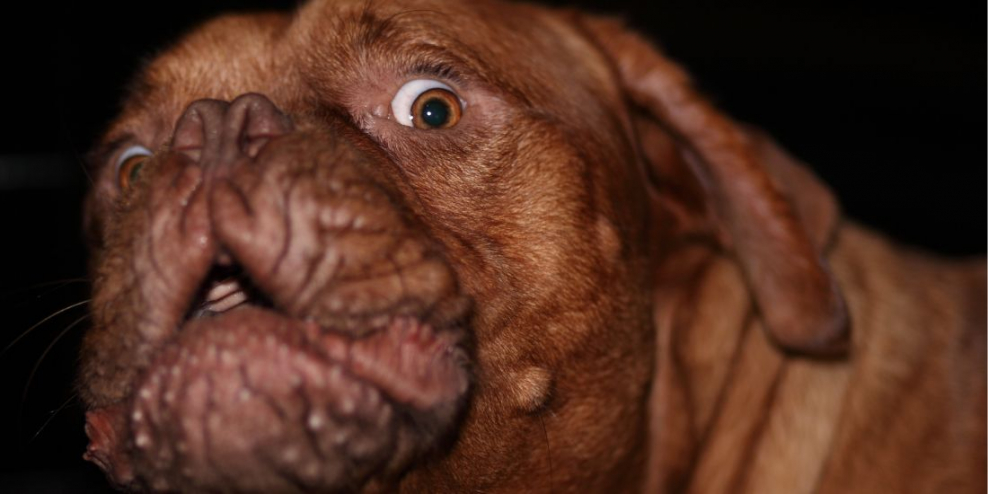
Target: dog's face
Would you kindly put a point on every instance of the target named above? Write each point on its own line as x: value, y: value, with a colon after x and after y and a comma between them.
x: 416, y: 245
x: 414, y: 252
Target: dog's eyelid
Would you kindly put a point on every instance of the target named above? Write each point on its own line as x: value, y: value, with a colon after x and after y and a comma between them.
x: 445, y: 71
x: 130, y: 152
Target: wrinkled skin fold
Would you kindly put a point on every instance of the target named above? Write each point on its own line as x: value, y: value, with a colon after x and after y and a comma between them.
x: 377, y: 297
x: 350, y: 360
x: 591, y: 281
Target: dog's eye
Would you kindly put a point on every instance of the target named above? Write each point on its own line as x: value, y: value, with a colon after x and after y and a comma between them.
x: 129, y: 165
x: 427, y: 104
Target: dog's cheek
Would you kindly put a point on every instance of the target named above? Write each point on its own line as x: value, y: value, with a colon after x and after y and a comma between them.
x: 153, y: 221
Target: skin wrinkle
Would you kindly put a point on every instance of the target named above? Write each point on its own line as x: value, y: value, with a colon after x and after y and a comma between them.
x: 285, y: 201
x: 524, y: 237
x: 704, y: 429
x: 757, y: 435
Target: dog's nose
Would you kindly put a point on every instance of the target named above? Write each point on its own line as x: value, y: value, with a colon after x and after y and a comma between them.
x: 217, y: 134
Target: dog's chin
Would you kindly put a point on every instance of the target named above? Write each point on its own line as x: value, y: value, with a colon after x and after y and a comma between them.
x: 251, y: 399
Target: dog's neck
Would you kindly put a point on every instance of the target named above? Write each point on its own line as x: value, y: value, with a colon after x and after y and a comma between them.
x: 706, y: 324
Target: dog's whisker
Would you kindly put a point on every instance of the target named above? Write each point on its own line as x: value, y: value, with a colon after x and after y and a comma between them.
x: 51, y: 416
x: 548, y: 452
x: 81, y: 161
x: 58, y: 285
x: 41, y: 358
x: 39, y: 323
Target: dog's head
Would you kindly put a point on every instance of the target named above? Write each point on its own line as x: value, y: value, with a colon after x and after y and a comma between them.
x: 371, y: 244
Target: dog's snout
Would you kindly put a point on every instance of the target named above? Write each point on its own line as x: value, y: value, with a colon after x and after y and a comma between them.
x: 215, y: 133
x: 251, y: 122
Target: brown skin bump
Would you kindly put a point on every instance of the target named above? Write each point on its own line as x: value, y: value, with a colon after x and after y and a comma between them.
x: 523, y: 302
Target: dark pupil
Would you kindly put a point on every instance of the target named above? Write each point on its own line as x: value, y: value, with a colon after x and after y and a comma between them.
x: 135, y: 170
x: 435, y: 112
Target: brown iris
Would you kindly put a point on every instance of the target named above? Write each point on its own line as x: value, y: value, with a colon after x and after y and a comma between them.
x: 130, y: 170
x: 436, y: 108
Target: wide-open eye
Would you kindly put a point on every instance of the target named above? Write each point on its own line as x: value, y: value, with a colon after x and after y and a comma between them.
x: 427, y: 104
x: 129, y: 165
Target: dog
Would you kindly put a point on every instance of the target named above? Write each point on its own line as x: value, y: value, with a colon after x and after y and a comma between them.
x: 429, y: 246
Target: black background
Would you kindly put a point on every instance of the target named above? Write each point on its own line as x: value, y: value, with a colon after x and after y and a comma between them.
x: 886, y: 101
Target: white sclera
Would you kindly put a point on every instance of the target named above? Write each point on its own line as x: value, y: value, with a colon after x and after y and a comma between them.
x: 135, y: 150
x: 401, y: 105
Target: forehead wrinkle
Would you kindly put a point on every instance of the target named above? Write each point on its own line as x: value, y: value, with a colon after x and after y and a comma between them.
x: 495, y: 50
x: 365, y: 44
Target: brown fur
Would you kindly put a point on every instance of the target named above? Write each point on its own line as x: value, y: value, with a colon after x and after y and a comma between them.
x: 663, y: 300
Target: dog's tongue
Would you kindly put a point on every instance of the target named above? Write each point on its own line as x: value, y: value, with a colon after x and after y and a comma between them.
x: 251, y: 400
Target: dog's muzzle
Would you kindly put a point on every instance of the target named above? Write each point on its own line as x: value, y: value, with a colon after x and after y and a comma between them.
x: 312, y: 338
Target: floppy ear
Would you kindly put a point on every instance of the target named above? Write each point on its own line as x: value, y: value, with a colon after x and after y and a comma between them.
x: 743, y: 179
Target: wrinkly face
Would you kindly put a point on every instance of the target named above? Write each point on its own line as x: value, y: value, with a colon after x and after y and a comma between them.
x: 370, y: 247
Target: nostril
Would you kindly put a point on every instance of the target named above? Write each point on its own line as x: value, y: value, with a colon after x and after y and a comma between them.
x: 197, y: 130
x: 254, y: 120
x: 217, y: 134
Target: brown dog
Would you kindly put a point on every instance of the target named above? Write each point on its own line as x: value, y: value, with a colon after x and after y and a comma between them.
x: 477, y: 247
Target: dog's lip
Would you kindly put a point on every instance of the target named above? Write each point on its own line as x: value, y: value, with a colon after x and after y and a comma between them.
x: 402, y: 370
x: 406, y: 367
x: 377, y: 366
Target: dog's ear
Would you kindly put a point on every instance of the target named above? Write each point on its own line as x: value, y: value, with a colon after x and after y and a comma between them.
x: 770, y: 211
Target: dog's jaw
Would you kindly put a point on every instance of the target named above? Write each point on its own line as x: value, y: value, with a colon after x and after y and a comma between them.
x: 318, y: 373
x: 251, y: 400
